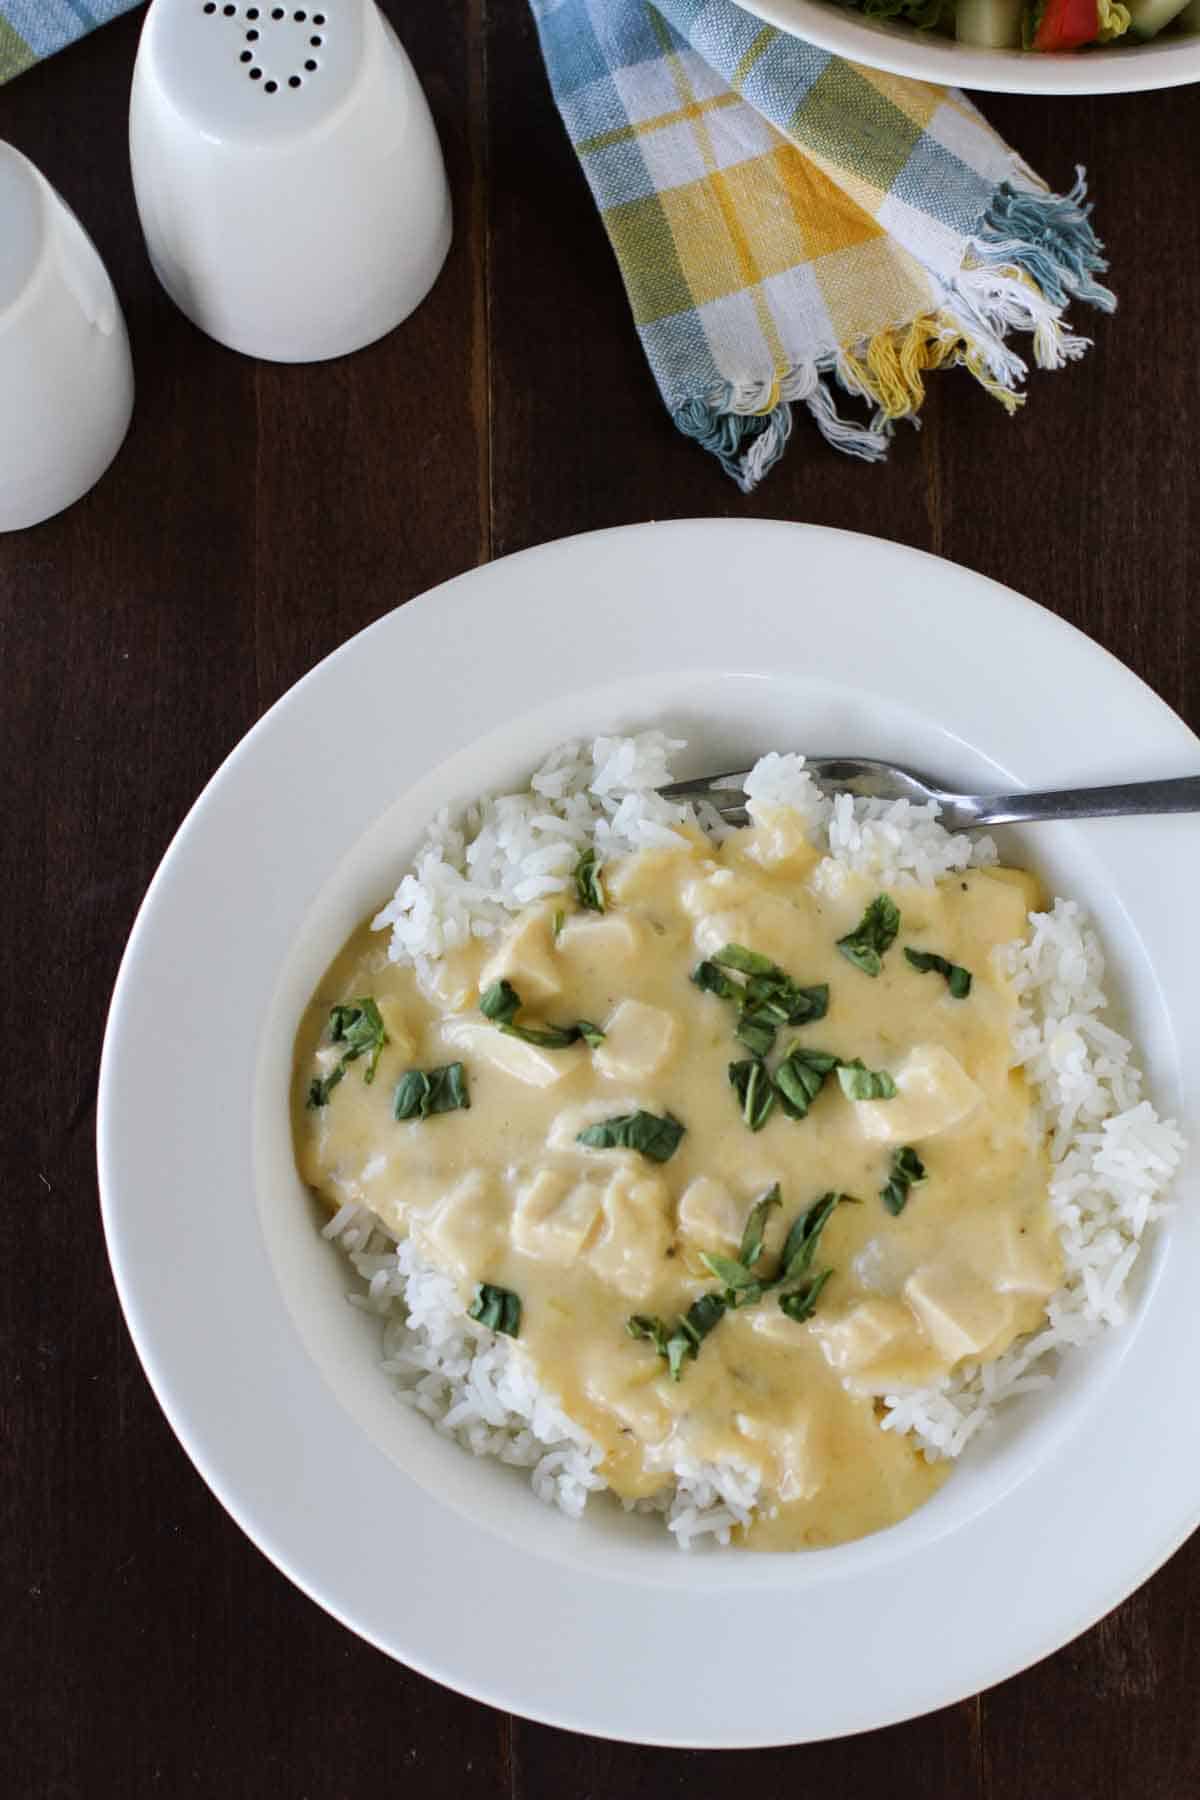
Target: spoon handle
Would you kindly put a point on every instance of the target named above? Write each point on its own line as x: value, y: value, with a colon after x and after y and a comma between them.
x: 1130, y: 798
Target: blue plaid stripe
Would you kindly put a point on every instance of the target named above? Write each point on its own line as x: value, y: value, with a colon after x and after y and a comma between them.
x: 935, y: 181
x: 781, y: 78
x: 679, y: 354
x: 627, y: 37
x: 777, y: 81
x: 49, y: 25
x: 618, y: 172
x: 593, y: 110
x: 570, y: 44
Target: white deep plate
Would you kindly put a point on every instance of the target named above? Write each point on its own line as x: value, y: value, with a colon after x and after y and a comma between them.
x: 742, y: 637
x: 1170, y: 60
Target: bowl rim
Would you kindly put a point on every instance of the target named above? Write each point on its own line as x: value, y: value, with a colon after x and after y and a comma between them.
x: 900, y: 49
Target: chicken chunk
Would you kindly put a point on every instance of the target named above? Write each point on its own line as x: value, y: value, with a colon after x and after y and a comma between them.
x: 525, y: 956
x: 466, y: 1231
x: 709, y: 1216
x: 452, y: 981
x: 555, y: 1216
x: 961, y: 1314
x: 730, y: 907
x: 512, y: 1056
x: 635, y: 1233
x: 864, y: 1334
x: 934, y: 1093
x: 401, y: 1037
x: 638, y: 1040
x: 797, y: 1454
x: 1028, y: 1261
x: 606, y: 941
x: 779, y: 840
x: 632, y: 879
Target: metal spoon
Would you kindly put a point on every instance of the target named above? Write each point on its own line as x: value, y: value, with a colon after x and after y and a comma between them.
x: 864, y: 776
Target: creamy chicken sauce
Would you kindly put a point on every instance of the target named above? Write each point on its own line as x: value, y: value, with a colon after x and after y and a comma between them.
x: 503, y: 1193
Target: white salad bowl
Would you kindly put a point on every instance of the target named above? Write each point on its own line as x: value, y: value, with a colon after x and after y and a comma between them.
x: 1171, y: 60
x: 238, y: 1307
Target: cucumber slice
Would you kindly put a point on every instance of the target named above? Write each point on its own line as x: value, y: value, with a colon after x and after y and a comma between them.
x: 991, y: 24
x: 1147, y: 17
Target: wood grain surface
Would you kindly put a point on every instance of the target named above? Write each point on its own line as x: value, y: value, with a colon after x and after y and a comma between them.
x: 256, y: 518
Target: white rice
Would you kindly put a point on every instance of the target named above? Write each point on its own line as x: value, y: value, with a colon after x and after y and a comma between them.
x: 1112, y: 1157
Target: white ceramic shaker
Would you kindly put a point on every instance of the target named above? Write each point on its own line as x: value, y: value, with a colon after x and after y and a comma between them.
x: 65, y: 373
x: 287, y: 172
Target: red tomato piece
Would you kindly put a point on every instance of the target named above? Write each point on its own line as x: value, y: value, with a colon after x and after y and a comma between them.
x: 1067, y: 24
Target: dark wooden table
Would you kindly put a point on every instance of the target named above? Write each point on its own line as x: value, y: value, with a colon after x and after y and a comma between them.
x: 256, y: 518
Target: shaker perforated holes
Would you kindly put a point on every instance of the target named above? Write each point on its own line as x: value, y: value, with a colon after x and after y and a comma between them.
x: 271, y: 83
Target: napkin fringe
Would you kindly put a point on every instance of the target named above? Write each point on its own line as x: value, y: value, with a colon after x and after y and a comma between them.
x: 1032, y: 253
x: 1049, y: 236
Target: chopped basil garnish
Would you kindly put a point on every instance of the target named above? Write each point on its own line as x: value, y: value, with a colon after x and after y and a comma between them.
x: 423, y: 1092
x: 746, y: 962
x: 801, y: 1302
x: 655, y: 1138
x: 768, y: 999
x: 799, y: 1078
x: 588, y: 885
x: 874, y: 934
x: 753, y: 1086
x: 560, y: 919
x: 501, y: 1003
x: 756, y: 1034
x: 358, y: 1024
x: 958, y: 979
x: 777, y: 998
x: 549, y: 1037
x: 683, y: 1340
x: 801, y: 1240
x: 741, y: 1286
x: 907, y: 1171
x: 795, y: 1263
x: 700, y: 1318
x: 860, y: 1083
x: 645, y: 1325
x: 756, y: 1224
x: 712, y: 980
x: 498, y: 1308
x: 321, y: 1086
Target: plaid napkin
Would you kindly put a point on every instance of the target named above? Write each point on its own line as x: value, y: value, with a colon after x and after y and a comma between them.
x: 31, y: 29
x: 792, y: 228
